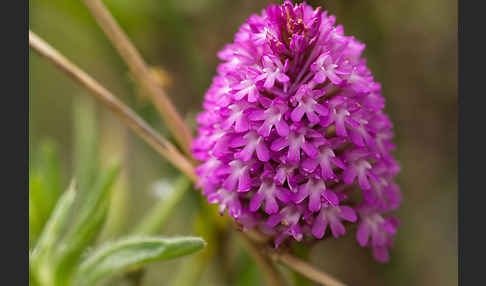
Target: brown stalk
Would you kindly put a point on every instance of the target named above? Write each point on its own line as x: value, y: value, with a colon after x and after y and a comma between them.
x: 304, y: 268
x: 271, y: 274
x: 142, y: 74
x: 160, y: 144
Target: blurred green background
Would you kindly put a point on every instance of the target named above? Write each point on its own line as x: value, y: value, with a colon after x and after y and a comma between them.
x: 411, y: 48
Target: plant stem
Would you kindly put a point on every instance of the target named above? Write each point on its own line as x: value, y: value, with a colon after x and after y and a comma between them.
x: 302, y: 251
x: 168, y: 151
x: 141, y: 73
x: 304, y: 268
x: 160, y: 144
x: 271, y: 274
x: 155, y: 219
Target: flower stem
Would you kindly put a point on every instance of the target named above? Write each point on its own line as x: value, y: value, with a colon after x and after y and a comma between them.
x: 305, y: 268
x: 157, y: 217
x: 271, y: 274
x: 141, y: 73
x: 160, y: 144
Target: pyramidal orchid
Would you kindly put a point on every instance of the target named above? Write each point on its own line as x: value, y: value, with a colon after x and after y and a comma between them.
x: 293, y: 138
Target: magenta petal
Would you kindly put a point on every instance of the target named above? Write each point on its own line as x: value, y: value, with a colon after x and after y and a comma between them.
x: 230, y: 183
x: 283, y: 78
x: 271, y: 205
x: 348, y: 213
x: 262, y: 152
x: 313, y: 118
x: 349, y: 174
x: 253, y: 95
x: 338, y: 162
x: 356, y: 138
x: 227, y: 124
x: 340, y: 128
x: 326, y: 170
x: 265, y: 102
x: 282, y: 128
x: 234, y: 209
x: 244, y: 182
x: 265, y: 129
x: 257, y: 115
x: 331, y: 197
x: 315, y: 201
x: 310, y: 149
x: 269, y: 82
x: 237, y: 142
x: 273, y: 220
x: 363, y: 181
x: 381, y: 254
x: 319, y: 77
x: 281, y: 238
x: 309, y: 165
x: 242, y: 125
x: 334, y: 78
x: 296, y: 232
x: 240, y: 94
x: 246, y: 153
x: 256, y: 201
x: 297, y: 113
x: 294, y: 154
x: 337, y: 228
x: 363, y: 234
x: 279, y: 144
x: 302, y: 193
x: 283, y: 194
x: 319, y: 227
x: 321, y: 109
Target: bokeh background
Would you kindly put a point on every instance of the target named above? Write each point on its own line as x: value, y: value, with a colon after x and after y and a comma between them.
x: 411, y: 48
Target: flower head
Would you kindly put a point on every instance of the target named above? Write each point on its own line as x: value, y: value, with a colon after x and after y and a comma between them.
x: 292, y: 125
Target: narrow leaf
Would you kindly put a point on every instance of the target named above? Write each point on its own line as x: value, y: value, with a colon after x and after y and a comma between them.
x: 44, y: 187
x: 158, y: 215
x: 85, y: 142
x: 87, y: 225
x: 51, y: 234
x: 122, y: 255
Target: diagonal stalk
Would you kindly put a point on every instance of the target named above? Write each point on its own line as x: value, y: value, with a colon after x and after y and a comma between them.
x: 304, y: 268
x: 271, y: 274
x: 160, y: 144
x: 168, y: 151
x: 141, y: 73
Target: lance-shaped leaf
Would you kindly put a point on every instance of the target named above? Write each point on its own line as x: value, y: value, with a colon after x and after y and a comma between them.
x: 44, y: 187
x: 86, y: 226
x: 85, y: 142
x: 160, y: 213
x: 134, y: 252
x: 39, y: 259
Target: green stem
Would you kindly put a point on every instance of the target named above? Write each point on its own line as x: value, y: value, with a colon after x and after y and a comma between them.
x: 301, y: 251
x: 160, y: 213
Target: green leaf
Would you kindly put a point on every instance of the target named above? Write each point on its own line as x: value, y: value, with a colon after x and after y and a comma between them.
x: 42, y: 253
x: 85, y: 142
x: 50, y: 166
x: 302, y: 251
x: 44, y: 187
x: 35, y: 224
x: 159, y: 214
x: 248, y: 273
x: 86, y: 226
x: 126, y: 254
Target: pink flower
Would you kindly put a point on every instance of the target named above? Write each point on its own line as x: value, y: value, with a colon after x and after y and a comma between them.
x: 293, y: 137
x: 332, y: 216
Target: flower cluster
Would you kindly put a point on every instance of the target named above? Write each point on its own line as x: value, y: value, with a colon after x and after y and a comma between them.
x: 293, y: 138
